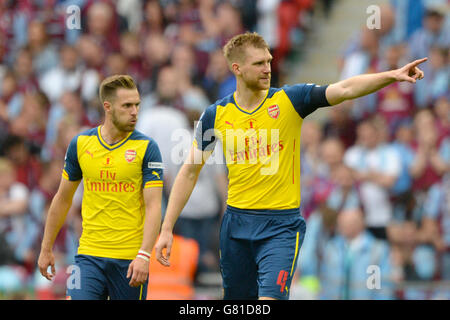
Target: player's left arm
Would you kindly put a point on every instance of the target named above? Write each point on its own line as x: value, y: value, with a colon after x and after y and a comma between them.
x: 138, y: 269
x: 365, y: 84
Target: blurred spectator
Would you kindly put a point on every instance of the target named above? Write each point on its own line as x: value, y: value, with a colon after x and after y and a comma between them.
x: 408, y: 17
x: 23, y: 71
x: 129, y: 56
x: 69, y: 75
x: 432, y: 34
x: 218, y: 81
x: 352, y: 258
x: 163, y: 119
x: 176, y: 282
x: 156, y: 55
x: 401, y: 196
x: 13, y: 25
x: 365, y: 59
x: 436, y: 84
x: 395, y: 102
x: 103, y: 24
x: 15, y: 249
x: 193, y: 98
x: 442, y: 113
x: 116, y: 63
x: 11, y: 99
x: 290, y: 22
x: 93, y: 55
x: 340, y: 124
x: 28, y: 168
x: 69, y: 106
x: 130, y: 14
x: 436, y: 225
x: 154, y: 21
x: 31, y: 123
x: 248, y: 12
x: 431, y: 157
x: 230, y: 22
x: 376, y: 168
x: 44, y: 52
x: 183, y: 60
x: 321, y: 180
x: 322, y: 222
x: 331, y: 154
x: 56, y: 149
x: 371, y: 42
x: 310, y: 159
x: 267, y: 25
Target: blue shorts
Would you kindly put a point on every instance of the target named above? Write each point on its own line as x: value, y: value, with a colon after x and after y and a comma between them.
x: 259, y: 252
x: 96, y: 278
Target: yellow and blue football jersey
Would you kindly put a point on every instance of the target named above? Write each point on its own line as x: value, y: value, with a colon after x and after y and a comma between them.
x: 113, y: 209
x: 261, y: 146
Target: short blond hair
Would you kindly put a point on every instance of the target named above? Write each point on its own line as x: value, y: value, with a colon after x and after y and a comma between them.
x: 109, y: 86
x: 234, y: 50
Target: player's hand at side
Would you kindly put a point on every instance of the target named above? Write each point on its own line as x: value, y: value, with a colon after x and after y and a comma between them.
x: 46, y: 259
x: 138, y: 272
x: 164, y: 242
x: 411, y: 72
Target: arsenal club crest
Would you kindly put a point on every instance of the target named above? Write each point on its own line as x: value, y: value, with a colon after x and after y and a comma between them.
x: 274, y: 111
x: 130, y: 155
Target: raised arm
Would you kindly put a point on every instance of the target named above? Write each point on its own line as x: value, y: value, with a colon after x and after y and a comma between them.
x: 56, y: 216
x: 365, y: 84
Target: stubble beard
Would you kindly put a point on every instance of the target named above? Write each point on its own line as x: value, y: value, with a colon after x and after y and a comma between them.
x: 256, y: 85
x: 124, y: 127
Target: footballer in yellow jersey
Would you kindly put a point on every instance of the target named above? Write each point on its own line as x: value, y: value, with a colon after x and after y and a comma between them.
x: 260, y: 129
x: 262, y: 152
x: 113, y: 209
x: 262, y: 146
x: 122, y: 175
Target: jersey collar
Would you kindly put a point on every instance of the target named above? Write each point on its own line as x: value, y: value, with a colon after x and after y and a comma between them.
x: 111, y: 146
x: 252, y: 111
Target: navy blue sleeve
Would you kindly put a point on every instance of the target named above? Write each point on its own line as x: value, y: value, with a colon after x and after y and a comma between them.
x: 205, y: 138
x: 152, y: 165
x: 71, y: 164
x: 306, y: 98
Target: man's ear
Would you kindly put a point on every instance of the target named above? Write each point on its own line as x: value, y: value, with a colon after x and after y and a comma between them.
x: 235, y: 68
x: 107, y: 105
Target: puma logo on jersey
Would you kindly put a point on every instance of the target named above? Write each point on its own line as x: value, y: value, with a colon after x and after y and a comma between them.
x: 156, y: 174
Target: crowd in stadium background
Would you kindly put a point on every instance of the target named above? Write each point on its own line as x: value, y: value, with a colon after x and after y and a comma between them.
x: 387, y: 153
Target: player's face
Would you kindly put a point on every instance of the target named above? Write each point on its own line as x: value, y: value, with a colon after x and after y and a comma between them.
x: 124, y: 109
x: 255, y: 69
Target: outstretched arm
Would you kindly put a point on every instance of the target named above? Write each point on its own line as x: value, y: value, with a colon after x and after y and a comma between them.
x: 365, y: 84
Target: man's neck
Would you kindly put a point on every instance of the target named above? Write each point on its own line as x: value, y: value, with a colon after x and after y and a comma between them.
x: 111, y: 134
x: 249, y: 99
